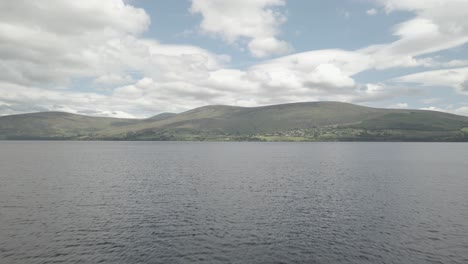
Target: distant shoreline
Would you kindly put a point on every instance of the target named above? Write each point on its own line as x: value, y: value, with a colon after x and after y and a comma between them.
x: 294, y: 122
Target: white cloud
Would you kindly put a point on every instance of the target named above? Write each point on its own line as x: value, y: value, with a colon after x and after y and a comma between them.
x: 177, y: 77
x: 372, y: 12
x: 267, y: 46
x: 461, y: 111
x: 438, y: 25
x: 74, y: 17
x: 49, y: 42
x: 329, y: 75
x: 456, y: 78
x: 257, y: 21
x: 38, y: 62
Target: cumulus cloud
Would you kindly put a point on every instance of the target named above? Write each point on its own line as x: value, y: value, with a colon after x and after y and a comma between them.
x: 49, y: 42
x: 329, y: 74
x: 437, y: 25
x: 39, y: 62
x: 257, y: 21
x: 41, y: 53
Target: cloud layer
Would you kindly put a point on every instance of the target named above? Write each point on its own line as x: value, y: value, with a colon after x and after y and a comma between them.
x: 49, y: 49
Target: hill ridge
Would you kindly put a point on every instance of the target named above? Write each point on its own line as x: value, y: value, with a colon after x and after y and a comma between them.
x: 299, y: 121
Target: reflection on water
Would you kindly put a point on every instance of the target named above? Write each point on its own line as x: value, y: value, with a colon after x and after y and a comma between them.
x: 166, y: 202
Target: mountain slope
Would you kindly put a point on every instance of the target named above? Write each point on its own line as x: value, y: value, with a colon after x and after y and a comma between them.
x: 250, y: 120
x: 314, y: 121
x: 55, y: 125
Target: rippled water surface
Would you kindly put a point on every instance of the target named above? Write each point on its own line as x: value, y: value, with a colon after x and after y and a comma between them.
x: 171, y: 202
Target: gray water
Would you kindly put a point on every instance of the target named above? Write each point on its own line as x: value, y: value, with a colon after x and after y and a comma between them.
x: 175, y: 202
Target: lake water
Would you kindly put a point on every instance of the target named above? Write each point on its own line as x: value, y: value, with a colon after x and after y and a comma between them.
x: 196, y: 202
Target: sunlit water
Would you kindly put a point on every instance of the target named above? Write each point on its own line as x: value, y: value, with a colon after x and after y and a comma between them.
x: 168, y: 202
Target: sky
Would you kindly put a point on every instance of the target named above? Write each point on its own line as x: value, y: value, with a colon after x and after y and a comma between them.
x: 139, y: 58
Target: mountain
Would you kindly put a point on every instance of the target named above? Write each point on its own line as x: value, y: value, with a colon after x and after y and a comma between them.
x: 56, y: 125
x: 161, y: 116
x: 311, y: 121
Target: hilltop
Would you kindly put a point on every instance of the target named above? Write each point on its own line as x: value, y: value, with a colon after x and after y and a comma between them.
x: 310, y: 121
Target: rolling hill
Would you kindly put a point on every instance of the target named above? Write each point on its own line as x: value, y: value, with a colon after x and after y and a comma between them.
x: 56, y: 125
x: 311, y: 121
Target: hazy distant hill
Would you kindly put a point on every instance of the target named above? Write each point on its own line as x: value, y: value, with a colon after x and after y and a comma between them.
x: 315, y: 121
x: 161, y: 116
x: 56, y: 125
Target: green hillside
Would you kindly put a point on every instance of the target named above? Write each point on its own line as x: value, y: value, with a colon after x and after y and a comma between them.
x: 314, y: 121
x: 251, y: 120
x: 56, y: 125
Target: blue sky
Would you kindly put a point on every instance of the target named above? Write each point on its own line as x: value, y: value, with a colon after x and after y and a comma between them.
x: 310, y: 25
x: 137, y: 58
